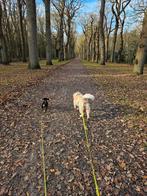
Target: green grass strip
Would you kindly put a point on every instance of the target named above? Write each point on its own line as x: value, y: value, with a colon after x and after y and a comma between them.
x: 90, y: 155
x: 43, y: 160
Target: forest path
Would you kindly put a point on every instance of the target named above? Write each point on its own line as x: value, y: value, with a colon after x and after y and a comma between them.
x: 67, y: 162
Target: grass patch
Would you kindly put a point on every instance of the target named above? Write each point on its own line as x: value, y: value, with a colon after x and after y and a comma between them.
x: 110, y: 68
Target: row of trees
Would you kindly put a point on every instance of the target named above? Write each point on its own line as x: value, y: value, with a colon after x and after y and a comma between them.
x: 106, y: 36
x: 24, y: 35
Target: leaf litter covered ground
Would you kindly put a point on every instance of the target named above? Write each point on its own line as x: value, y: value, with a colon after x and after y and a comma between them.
x: 14, y: 78
x: 116, y: 134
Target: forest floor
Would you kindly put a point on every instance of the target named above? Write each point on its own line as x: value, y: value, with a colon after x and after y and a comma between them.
x: 116, y: 134
x: 15, y: 77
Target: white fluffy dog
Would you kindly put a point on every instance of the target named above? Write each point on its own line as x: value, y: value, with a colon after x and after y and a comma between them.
x: 81, y: 101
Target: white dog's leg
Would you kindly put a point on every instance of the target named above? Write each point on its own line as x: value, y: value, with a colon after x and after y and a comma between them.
x: 81, y: 110
x: 74, y: 103
x: 87, y: 110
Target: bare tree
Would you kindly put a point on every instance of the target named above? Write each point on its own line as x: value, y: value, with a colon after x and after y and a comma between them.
x: 23, y: 45
x: 71, y: 8
x: 32, y: 34
x: 90, y: 43
x: 3, y: 46
x: 60, y: 7
x: 109, y: 29
x: 84, y: 25
x: 90, y: 37
x: 93, y: 50
x: 118, y: 8
x: 141, y: 54
x: 101, y: 33
x: 48, y: 32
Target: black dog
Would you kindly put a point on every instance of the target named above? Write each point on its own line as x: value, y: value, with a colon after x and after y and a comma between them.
x: 45, y: 104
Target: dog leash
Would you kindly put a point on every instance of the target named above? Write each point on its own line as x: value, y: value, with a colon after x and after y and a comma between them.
x: 89, y: 151
x: 43, y: 160
x: 90, y: 155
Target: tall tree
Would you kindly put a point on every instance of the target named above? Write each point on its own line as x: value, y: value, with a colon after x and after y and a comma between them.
x: 32, y: 34
x: 101, y: 33
x: 23, y: 45
x: 84, y: 25
x: 109, y: 30
x: 141, y: 54
x: 89, y: 51
x: 94, y: 44
x: 3, y: 46
x: 71, y: 8
x: 122, y: 22
x: 118, y: 7
x: 60, y: 7
x: 48, y: 32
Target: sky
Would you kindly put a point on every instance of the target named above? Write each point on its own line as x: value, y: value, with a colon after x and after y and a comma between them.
x: 89, y: 6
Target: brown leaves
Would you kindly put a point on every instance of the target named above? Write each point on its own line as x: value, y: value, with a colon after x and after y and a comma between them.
x: 19, y: 163
x: 116, y: 136
x: 55, y: 171
x: 122, y: 164
x: 109, y: 167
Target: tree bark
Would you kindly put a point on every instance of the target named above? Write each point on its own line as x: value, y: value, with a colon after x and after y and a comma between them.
x: 68, y: 45
x: 119, y: 8
x: 3, y: 46
x: 94, y: 47
x: 117, y: 15
x: 61, y: 40
x: 48, y: 33
x: 61, y: 32
x: 122, y: 21
x: 101, y: 33
x: 32, y: 34
x: 141, y: 54
x: 98, y: 46
x: 23, y: 46
x: 121, y: 46
x: 108, y: 31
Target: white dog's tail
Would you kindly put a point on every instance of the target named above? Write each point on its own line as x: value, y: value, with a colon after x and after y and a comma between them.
x: 88, y: 96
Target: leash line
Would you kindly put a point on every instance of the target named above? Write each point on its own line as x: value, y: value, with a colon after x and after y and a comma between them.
x: 90, y: 155
x: 43, y: 160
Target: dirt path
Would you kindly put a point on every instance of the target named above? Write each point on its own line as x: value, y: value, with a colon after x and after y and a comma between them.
x: 119, y: 171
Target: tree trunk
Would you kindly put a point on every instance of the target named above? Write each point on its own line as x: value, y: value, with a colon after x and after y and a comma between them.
x: 89, y: 50
x: 141, y: 54
x: 121, y: 47
x: 107, y: 47
x: 68, y: 45
x: 114, y: 41
x: 85, y: 48
x: 122, y: 39
x: 23, y: 47
x: 94, y: 47
x: 3, y: 46
x: 101, y: 33
x: 98, y: 47
x: 117, y: 17
x: 61, y: 40
x: 48, y: 33
x: 108, y: 32
x: 32, y: 34
x: 61, y: 33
